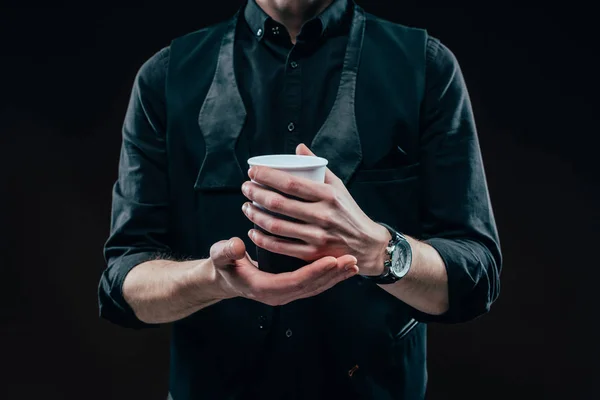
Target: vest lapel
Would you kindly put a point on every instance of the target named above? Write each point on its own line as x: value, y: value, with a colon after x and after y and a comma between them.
x: 338, y: 140
x: 221, y: 119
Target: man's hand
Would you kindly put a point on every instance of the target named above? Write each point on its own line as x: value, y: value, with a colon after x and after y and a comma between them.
x: 330, y: 221
x: 238, y: 275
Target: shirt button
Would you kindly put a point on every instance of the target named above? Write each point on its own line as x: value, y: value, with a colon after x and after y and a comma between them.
x: 275, y: 30
x: 291, y: 126
x: 293, y: 64
x: 259, y: 32
x: 262, y: 322
x: 288, y: 333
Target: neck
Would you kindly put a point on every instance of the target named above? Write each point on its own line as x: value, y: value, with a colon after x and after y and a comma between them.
x: 293, y: 13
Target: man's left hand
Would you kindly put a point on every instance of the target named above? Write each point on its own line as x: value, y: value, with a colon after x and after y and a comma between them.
x: 329, y: 222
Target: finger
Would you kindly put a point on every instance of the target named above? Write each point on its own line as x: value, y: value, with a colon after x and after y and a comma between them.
x: 285, y: 285
x: 226, y: 252
x: 279, y: 289
x: 297, y: 186
x: 346, y: 260
x: 301, y: 250
x: 330, y: 278
x: 349, y: 273
x: 347, y: 268
x: 278, y: 226
x: 279, y: 203
x: 330, y: 177
x: 325, y: 281
x: 352, y: 270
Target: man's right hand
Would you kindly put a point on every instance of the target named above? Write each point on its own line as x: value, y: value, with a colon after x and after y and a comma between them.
x: 238, y: 274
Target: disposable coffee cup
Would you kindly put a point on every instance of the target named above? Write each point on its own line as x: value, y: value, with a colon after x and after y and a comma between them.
x: 308, y: 167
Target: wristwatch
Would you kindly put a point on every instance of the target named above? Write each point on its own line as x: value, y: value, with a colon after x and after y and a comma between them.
x: 399, y: 259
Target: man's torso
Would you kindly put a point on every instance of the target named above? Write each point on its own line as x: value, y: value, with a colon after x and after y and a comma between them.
x: 346, y: 340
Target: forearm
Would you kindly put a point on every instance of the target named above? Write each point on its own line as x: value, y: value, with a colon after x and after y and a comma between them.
x: 162, y: 291
x: 425, y: 286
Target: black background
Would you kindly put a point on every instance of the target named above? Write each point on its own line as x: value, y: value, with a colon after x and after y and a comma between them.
x: 65, y: 76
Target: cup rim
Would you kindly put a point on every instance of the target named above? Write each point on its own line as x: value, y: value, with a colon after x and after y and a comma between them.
x: 315, y: 162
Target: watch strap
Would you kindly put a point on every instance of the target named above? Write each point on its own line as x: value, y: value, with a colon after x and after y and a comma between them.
x: 387, y: 277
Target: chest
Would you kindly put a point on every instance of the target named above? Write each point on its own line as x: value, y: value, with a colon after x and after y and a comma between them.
x: 284, y: 106
x: 288, y: 93
x: 287, y: 89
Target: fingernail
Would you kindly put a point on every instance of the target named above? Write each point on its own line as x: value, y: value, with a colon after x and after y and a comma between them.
x: 251, y: 233
x: 245, y: 188
x: 245, y: 207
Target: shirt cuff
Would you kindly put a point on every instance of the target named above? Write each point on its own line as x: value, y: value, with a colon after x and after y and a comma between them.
x: 468, y: 292
x: 112, y: 303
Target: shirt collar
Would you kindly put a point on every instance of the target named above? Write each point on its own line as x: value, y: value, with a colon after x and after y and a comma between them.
x: 331, y: 18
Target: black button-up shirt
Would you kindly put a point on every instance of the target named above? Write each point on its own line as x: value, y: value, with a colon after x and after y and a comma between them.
x: 288, y: 90
x: 288, y: 87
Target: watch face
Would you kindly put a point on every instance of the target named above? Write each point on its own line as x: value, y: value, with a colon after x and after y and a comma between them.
x: 401, y: 258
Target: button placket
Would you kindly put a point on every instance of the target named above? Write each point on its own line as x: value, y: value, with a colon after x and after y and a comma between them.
x: 292, y: 99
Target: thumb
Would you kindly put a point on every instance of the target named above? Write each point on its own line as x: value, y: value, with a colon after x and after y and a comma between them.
x: 303, y: 150
x: 330, y: 177
x: 226, y: 252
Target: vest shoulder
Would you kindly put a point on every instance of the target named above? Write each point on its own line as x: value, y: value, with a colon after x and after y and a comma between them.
x: 206, y: 35
x: 384, y: 26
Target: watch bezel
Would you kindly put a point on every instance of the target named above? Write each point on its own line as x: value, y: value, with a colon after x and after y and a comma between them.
x: 403, y: 251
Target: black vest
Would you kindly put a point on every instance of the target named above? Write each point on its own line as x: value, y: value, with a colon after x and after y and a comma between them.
x: 355, y: 340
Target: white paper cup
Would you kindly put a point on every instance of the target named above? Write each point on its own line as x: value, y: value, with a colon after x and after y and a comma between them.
x: 308, y: 167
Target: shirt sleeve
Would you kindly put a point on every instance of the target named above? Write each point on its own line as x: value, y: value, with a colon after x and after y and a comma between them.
x: 456, y: 213
x: 139, y: 218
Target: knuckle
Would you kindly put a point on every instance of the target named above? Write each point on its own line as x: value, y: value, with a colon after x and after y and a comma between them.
x: 332, y: 261
x: 276, y: 246
x: 330, y: 195
x: 313, y: 253
x: 273, y: 226
x: 291, y: 184
x: 257, y: 238
x: 307, y: 257
x: 219, y: 248
x: 257, y: 173
x: 214, y: 249
x: 275, y: 203
x: 325, y: 219
x: 323, y: 238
